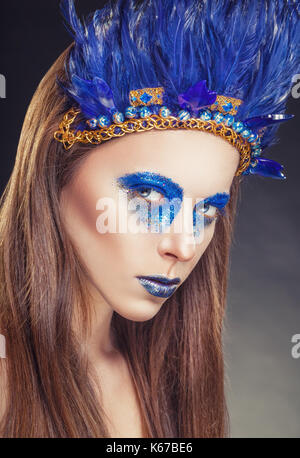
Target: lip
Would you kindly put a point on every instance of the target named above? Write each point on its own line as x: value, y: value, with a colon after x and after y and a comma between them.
x: 158, y: 285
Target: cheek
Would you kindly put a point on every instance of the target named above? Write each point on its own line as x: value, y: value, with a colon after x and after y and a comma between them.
x: 203, y: 243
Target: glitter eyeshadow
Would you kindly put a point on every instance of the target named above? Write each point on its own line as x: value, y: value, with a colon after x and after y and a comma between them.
x: 218, y: 200
x: 158, y: 216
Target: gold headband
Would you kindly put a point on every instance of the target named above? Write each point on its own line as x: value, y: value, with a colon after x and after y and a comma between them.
x: 216, y: 118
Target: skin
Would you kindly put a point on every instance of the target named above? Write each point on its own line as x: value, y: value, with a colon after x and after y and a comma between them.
x: 203, y: 165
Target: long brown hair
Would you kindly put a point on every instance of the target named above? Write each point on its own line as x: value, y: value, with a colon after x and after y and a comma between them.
x: 176, y: 358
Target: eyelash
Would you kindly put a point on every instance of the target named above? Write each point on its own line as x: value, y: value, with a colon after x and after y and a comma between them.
x: 208, y: 219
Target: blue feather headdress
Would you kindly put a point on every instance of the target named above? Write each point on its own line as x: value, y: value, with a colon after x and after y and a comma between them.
x: 194, y: 50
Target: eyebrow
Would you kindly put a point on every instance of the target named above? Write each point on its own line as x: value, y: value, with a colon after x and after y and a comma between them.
x: 220, y: 199
x: 152, y: 179
x: 172, y: 188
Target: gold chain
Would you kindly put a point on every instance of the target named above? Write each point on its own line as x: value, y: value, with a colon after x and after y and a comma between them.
x: 69, y: 137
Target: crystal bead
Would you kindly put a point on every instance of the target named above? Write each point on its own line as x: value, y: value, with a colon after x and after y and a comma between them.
x: 205, y: 115
x: 238, y: 126
x: 228, y: 120
x: 145, y: 112
x: 164, y: 112
x: 130, y: 112
x: 245, y: 133
x: 183, y: 115
x: 118, y: 117
x: 218, y: 117
x: 103, y: 121
x: 92, y: 123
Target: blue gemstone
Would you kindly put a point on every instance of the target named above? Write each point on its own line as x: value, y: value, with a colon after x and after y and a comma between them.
x: 92, y: 123
x: 257, y: 152
x: 227, y: 107
x: 145, y: 111
x: 238, y: 126
x: 228, y: 120
x: 245, y: 133
x: 103, y: 121
x: 205, y: 115
x: 183, y: 115
x: 164, y: 112
x: 118, y: 117
x: 253, y: 137
x: 145, y: 98
x: 130, y: 112
x: 218, y: 117
x: 133, y: 98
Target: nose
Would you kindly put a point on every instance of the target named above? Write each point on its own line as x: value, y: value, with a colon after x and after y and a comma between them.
x: 179, y: 245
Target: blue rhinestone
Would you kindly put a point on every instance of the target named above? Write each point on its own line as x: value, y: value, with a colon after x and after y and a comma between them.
x: 245, y: 133
x: 164, y: 112
x: 253, y: 162
x: 92, y: 123
x: 218, y: 117
x: 130, y: 112
x: 253, y: 137
x: 118, y: 117
x: 144, y: 112
x: 133, y: 98
x: 183, y: 115
x: 238, y: 126
x: 257, y: 152
x: 145, y: 98
x: 205, y: 115
x: 103, y: 121
x: 227, y: 107
x: 256, y: 142
x: 228, y: 120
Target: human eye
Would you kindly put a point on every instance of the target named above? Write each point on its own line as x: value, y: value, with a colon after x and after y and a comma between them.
x: 210, y: 211
x: 150, y: 194
x: 211, y: 208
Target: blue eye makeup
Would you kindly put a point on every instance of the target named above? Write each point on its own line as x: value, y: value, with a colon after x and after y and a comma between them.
x: 157, y: 192
x: 209, y: 209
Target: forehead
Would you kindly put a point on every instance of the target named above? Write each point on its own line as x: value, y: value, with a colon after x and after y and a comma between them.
x: 199, y: 162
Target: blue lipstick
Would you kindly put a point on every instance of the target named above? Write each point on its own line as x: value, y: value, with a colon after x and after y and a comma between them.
x: 158, y: 285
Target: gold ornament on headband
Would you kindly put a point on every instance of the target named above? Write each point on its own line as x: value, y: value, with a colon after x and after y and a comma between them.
x: 147, y: 96
x: 226, y: 105
x: 200, y: 109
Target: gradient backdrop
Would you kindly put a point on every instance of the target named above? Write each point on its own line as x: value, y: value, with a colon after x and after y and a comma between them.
x: 263, y: 378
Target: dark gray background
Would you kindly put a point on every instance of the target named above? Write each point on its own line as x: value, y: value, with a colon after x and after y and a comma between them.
x: 264, y: 299
x: 263, y: 379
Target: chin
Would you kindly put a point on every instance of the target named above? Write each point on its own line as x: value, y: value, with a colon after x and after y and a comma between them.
x: 143, y: 310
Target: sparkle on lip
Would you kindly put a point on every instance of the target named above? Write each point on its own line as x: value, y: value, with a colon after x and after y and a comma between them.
x: 161, y: 279
x: 157, y: 289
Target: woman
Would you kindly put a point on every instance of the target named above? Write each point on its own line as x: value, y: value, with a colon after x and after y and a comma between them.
x: 96, y: 346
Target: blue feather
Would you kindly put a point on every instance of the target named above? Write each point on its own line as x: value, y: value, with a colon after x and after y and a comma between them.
x: 247, y: 49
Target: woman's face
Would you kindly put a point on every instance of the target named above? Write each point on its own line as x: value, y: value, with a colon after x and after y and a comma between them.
x: 111, y: 212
